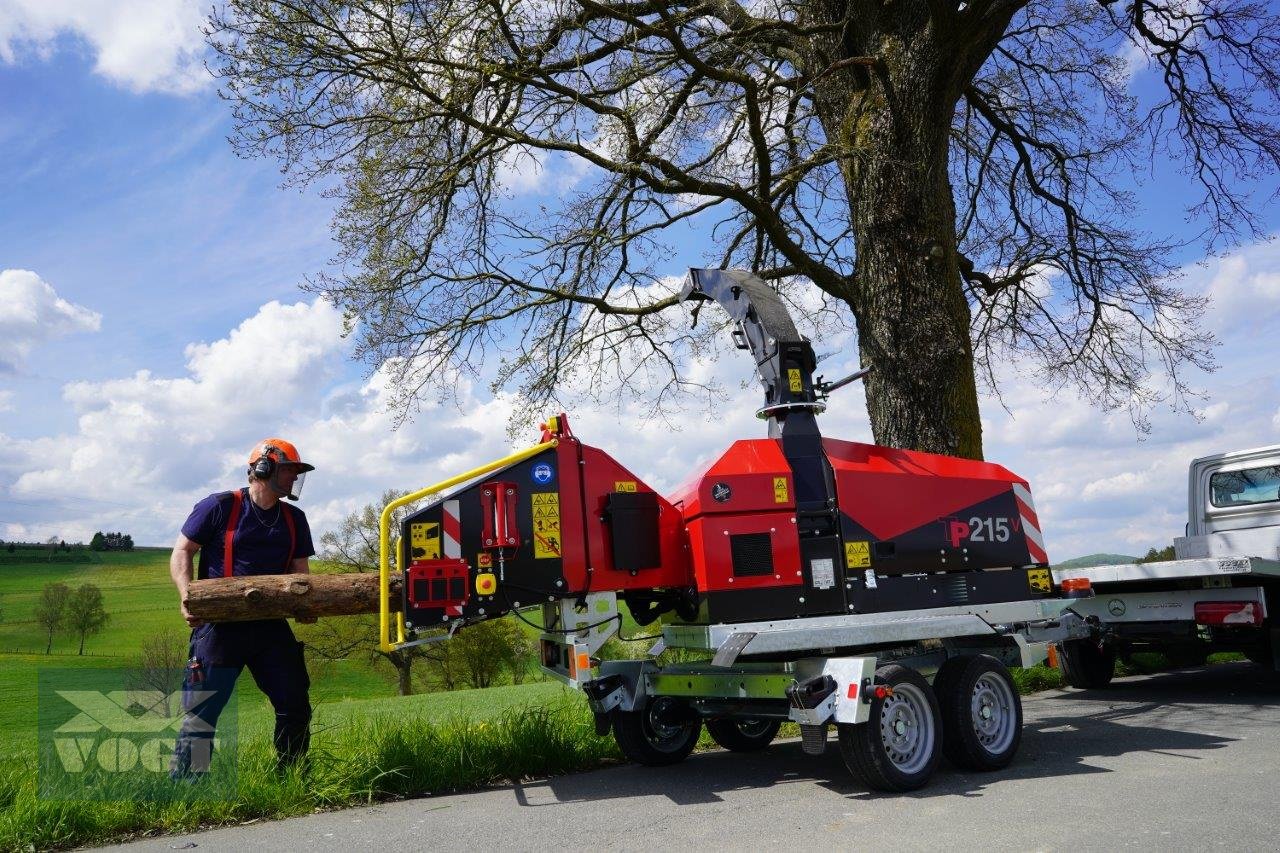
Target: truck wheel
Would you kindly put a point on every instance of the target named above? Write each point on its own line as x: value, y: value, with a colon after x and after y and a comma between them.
x: 663, y: 732
x: 743, y: 735
x: 1087, y: 664
x: 898, y: 748
x: 981, y: 712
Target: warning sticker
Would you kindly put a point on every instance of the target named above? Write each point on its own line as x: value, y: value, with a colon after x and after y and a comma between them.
x: 624, y: 486
x: 1038, y: 580
x: 857, y: 555
x: 546, y: 525
x: 823, y: 573
x: 484, y: 560
x: 793, y: 380
x: 425, y: 540
x: 780, y: 493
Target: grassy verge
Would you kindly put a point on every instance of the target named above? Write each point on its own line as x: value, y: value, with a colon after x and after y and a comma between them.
x: 361, y: 761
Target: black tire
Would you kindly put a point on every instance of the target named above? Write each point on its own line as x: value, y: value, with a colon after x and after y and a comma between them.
x: 898, y: 748
x: 661, y: 733
x: 981, y: 712
x: 743, y: 735
x: 1086, y: 664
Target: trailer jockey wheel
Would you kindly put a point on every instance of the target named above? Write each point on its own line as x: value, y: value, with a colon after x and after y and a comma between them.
x: 981, y: 712
x: 897, y: 749
x: 747, y: 735
x: 663, y: 732
x: 1087, y: 664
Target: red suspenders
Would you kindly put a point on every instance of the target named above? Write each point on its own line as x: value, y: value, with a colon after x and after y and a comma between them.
x: 228, y: 563
x: 228, y: 540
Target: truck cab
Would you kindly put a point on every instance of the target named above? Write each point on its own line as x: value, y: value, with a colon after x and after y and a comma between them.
x: 1233, y: 506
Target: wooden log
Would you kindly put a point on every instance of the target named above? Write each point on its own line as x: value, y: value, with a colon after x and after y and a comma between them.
x: 239, y: 599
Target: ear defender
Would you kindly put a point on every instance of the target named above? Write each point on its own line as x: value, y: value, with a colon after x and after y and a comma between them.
x: 264, y: 467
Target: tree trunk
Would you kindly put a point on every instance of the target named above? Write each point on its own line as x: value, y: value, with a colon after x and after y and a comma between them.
x: 404, y: 667
x: 239, y: 599
x: 906, y: 295
x: 49, y: 646
x: 81, y: 652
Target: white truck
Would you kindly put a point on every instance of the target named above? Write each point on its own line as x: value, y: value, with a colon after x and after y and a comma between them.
x: 1217, y: 595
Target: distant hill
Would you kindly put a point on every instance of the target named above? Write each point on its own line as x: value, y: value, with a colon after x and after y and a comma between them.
x: 1091, y: 560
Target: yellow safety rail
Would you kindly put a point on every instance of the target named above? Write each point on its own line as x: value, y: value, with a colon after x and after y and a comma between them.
x: 384, y: 537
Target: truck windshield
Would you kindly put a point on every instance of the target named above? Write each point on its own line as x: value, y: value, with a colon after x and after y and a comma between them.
x: 1241, y: 488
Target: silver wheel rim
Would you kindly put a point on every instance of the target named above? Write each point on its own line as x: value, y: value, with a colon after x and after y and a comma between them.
x: 992, y: 711
x: 906, y: 728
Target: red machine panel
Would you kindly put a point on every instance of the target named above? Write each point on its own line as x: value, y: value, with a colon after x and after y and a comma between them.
x: 737, y: 552
x: 438, y: 584
x: 603, y: 476
x: 751, y: 476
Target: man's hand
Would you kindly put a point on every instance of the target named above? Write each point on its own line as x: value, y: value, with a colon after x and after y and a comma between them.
x: 192, y: 621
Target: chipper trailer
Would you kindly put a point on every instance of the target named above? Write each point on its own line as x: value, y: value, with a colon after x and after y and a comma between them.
x: 822, y: 580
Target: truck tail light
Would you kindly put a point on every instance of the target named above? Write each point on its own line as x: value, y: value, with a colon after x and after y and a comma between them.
x: 1076, y: 588
x: 1228, y: 613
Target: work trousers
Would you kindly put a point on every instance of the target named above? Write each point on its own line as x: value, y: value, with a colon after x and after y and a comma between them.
x: 275, y: 661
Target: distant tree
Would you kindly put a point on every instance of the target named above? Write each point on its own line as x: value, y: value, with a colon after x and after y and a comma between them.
x: 12, y: 548
x: 1154, y: 556
x: 126, y: 542
x: 353, y: 547
x: 86, y: 614
x: 51, y: 610
x: 159, y: 666
x: 481, y: 652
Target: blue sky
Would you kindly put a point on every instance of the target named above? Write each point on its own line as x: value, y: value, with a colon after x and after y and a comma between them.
x: 152, y: 328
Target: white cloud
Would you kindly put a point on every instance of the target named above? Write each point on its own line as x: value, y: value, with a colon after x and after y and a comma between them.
x: 31, y: 313
x: 1245, y: 289
x: 142, y: 45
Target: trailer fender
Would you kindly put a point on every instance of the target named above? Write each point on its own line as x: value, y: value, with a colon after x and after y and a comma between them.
x: 845, y: 704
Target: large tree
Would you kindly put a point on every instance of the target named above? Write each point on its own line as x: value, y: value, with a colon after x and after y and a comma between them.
x: 959, y: 176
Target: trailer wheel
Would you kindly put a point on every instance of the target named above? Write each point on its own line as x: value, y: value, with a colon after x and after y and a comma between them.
x: 743, y: 735
x: 1087, y: 664
x: 897, y: 749
x: 981, y: 712
x: 661, y: 733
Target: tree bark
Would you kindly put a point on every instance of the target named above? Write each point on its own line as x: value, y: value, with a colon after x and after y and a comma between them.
x: 240, y: 599
x: 906, y: 295
x: 403, y: 668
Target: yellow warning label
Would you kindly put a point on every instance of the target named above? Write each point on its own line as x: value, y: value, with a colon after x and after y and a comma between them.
x: 780, y: 493
x: 546, y: 525
x: 484, y: 560
x: 1038, y: 580
x: 486, y: 583
x: 793, y: 380
x: 857, y: 555
x: 425, y: 539
x: 624, y: 486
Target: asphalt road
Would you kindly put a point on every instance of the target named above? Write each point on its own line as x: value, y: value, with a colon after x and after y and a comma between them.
x: 1180, y: 760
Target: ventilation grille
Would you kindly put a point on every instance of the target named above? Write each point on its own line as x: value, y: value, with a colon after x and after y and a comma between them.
x: 752, y: 554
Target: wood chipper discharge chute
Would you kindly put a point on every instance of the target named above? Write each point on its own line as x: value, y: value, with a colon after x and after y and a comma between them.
x: 786, y: 527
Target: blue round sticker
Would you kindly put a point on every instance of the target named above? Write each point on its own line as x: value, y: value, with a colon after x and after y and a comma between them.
x: 543, y: 473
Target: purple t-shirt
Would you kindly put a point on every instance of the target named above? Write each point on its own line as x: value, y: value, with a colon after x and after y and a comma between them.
x: 261, y: 545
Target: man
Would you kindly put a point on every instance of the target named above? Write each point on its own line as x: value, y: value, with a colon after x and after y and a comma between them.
x: 251, y: 531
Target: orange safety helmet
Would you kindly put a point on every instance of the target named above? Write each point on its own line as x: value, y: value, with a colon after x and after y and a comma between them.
x: 266, y: 460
